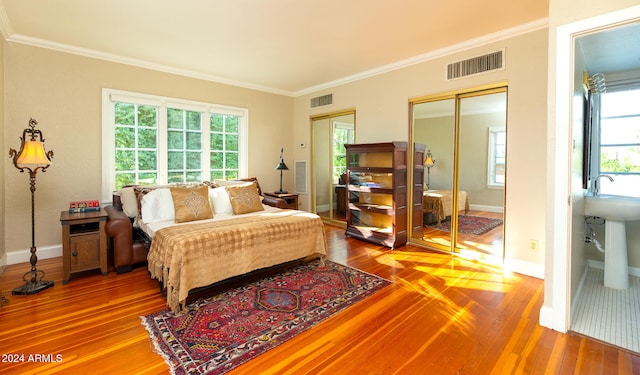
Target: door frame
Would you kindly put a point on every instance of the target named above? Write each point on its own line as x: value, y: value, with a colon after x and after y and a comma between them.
x: 555, y: 311
x: 327, y: 116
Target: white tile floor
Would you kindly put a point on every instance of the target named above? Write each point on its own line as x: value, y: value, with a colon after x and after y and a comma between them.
x: 607, y: 314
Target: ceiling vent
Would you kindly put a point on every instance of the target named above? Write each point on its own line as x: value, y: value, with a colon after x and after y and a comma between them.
x: 321, y: 101
x: 476, y: 65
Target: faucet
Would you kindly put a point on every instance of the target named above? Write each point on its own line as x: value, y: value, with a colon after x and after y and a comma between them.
x: 596, y: 185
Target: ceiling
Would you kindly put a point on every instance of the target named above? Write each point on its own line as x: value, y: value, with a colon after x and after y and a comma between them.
x: 612, y: 50
x: 285, y: 46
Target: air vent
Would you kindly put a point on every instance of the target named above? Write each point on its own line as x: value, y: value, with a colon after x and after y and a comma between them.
x: 301, y: 176
x: 321, y: 101
x: 476, y: 65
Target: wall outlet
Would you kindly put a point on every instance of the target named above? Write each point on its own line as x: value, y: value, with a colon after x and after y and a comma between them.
x: 533, y: 246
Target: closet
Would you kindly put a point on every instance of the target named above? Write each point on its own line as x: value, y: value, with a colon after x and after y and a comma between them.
x: 465, y: 134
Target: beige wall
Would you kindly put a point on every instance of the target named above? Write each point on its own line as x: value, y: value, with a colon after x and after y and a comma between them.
x: 474, y: 148
x: 381, y: 104
x: 63, y: 92
x: 437, y: 134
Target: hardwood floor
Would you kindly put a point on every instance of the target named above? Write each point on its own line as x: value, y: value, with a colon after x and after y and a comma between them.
x: 487, y: 246
x: 442, y: 315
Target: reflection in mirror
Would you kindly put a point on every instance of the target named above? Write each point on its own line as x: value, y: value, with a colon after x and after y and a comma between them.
x: 330, y: 134
x: 481, y: 176
x: 465, y: 174
x: 434, y: 126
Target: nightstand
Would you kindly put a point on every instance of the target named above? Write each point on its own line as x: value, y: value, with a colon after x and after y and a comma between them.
x: 84, y: 242
x: 291, y: 199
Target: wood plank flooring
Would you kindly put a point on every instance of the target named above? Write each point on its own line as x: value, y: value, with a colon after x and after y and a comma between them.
x: 442, y: 315
x: 487, y: 246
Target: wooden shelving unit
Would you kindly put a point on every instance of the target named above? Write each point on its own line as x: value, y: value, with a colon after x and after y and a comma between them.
x: 377, y: 192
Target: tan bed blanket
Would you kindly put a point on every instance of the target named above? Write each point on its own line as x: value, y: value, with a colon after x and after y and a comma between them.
x: 440, y: 202
x: 190, y: 256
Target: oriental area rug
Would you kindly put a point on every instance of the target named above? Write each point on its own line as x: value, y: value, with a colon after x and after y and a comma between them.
x: 469, y: 224
x: 219, y: 333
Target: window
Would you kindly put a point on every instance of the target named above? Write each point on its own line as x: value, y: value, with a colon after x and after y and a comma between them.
x: 184, y: 145
x: 136, y: 133
x: 224, y: 147
x: 343, y: 133
x: 157, y: 140
x: 497, y: 157
x: 620, y: 142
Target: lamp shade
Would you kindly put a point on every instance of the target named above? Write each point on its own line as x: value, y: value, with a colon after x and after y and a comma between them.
x: 429, y: 162
x: 282, y: 166
x: 32, y: 155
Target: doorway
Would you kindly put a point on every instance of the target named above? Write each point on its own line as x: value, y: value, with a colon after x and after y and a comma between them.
x: 610, y: 141
x: 330, y: 132
x: 464, y: 184
x: 565, y: 248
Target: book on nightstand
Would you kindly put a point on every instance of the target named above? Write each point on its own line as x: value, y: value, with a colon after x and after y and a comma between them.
x: 84, y: 206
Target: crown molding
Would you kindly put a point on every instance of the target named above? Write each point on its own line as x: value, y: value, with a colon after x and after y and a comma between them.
x: 85, y: 52
x: 6, y: 30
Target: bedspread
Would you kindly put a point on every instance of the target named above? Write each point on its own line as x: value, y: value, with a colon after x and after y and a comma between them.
x: 190, y: 256
x: 440, y: 202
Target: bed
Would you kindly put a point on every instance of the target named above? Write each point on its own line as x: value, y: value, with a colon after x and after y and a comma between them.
x: 186, y: 255
x: 440, y: 203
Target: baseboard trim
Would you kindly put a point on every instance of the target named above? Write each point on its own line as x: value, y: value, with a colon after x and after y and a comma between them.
x: 583, y: 279
x: 546, y: 317
x: 633, y: 271
x: 24, y: 256
x: 479, y: 207
x: 525, y: 268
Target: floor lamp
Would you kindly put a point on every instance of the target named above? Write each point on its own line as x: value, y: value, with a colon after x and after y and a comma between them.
x: 429, y: 162
x: 281, y: 167
x: 32, y: 157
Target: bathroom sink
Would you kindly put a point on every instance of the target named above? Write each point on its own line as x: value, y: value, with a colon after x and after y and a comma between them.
x: 612, y: 207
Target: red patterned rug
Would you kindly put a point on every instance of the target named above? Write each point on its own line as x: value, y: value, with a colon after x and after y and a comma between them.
x: 469, y: 224
x: 219, y: 333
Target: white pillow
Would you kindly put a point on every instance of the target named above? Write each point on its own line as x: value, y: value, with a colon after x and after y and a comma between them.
x: 220, y: 200
x: 129, y: 201
x: 157, y: 205
x: 230, y: 182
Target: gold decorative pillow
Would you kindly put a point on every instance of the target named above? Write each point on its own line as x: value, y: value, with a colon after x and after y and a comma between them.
x: 244, y: 198
x: 191, y: 204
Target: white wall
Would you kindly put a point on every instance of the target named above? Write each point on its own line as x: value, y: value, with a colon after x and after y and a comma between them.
x: 578, y: 252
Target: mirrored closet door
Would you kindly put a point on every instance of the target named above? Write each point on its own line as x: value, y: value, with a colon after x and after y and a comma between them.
x: 330, y: 133
x: 465, y: 164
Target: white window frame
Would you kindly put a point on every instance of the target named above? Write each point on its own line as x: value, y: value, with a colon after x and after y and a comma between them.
x: 350, y: 128
x: 491, y: 157
x: 111, y: 96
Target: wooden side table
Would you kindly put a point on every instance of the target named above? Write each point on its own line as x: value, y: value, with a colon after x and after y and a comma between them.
x: 84, y: 242
x: 290, y: 198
